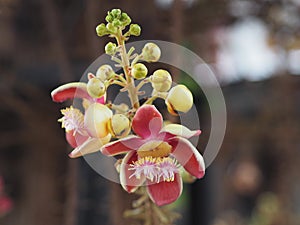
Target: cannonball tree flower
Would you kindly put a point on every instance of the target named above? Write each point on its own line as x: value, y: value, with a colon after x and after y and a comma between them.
x: 154, y: 155
x: 82, y: 134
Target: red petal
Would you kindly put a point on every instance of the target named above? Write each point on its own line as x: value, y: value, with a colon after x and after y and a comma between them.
x: 122, y: 146
x: 128, y: 182
x: 75, y: 140
x: 70, y: 91
x: 188, y: 156
x: 164, y: 192
x: 147, y: 121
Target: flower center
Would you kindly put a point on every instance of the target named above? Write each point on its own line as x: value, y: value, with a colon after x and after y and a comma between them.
x: 155, y: 169
x: 154, y: 149
x: 72, y: 120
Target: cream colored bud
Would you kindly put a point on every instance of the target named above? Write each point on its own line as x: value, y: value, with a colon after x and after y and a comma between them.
x: 96, y: 88
x: 119, y: 126
x: 105, y: 72
x: 151, y: 52
x: 96, y: 119
x: 179, y: 99
x: 161, y: 80
x: 139, y: 71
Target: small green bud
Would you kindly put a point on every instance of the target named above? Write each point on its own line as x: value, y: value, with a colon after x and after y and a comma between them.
x: 151, y: 52
x: 116, y: 13
x: 139, y: 71
x: 109, y: 18
x: 111, y: 28
x: 105, y: 72
x: 135, y: 29
x: 125, y: 19
x: 116, y: 23
x: 101, y: 30
x: 110, y: 48
x: 161, y: 80
x: 96, y: 88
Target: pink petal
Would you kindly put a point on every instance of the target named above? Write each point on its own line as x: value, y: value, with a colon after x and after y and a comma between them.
x: 128, y: 182
x: 188, y: 156
x: 179, y: 130
x: 123, y: 145
x: 75, y: 140
x: 164, y: 192
x: 71, y: 91
x: 6, y: 205
x: 147, y: 121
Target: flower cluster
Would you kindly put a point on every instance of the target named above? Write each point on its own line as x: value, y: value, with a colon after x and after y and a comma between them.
x: 154, y: 155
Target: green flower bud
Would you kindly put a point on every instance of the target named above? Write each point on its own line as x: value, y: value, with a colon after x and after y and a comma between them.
x: 135, y: 29
x: 161, y: 80
x: 180, y: 99
x: 109, y: 18
x: 119, y: 126
x: 105, y: 72
x: 110, y: 48
x: 116, y: 23
x: 139, y: 71
x: 116, y: 13
x: 111, y: 28
x: 125, y: 19
x: 151, y: 52
x: 96, y: 88
x: 101, y: 30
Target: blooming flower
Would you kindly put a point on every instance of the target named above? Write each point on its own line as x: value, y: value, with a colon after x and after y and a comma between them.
x: 154, y: 155
x: 87, y: 132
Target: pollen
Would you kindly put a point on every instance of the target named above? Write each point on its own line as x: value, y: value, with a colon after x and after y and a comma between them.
x: 72, y: 120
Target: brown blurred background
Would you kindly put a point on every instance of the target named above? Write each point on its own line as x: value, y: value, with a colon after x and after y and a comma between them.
x: 253, y: 48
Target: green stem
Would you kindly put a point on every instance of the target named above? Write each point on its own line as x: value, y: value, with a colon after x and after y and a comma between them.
x: 126, y: 67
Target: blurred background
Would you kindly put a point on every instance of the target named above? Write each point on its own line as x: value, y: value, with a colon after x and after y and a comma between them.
x: 253, y: 46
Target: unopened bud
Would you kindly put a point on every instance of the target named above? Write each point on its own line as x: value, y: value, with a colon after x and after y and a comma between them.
x: 110, y: 48
x: 125, y: 19
x: 179, y: 99
x: 135, y: 30
x: 111, y: 28
x: 151, y: 52
x: 119, y: 125
x: 116, y: 13
x: 104, y: 72
x: 139, y: 71
x: 96, y: 88
x: 161, y: 80
x: 101, y: 30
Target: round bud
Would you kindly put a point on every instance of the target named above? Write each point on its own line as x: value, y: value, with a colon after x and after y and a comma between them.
x: 116, y: 23
x: 110, y: 48
x: 101, y: 30
x: 116, y: 13
x: 135, y: 30
x: 161, y: 80
x: 139, y: 71
x: 125, y: 19
x: 119, y: 126
x: 111, y: 28
x: 96, y: 119
x: 96, y: 88
x: 151, y: 52
x: 104, y: 72
x: 179, y: 99
x: 109, y: 18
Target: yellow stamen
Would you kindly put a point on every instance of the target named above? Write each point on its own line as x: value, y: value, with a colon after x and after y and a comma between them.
x: 155, y: 149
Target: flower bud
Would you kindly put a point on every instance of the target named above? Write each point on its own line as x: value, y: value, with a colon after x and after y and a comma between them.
x: 151, y: 52
x: 101, y: 30
x: 96, y: 88
x: 104, y: 72
x: 116, y: 13
x: 139, y: 71
x: 161, y: 80
x: 119, y: 125
x: 96, y: 120
x: 110, y: 48
x: 116, y: 23
x: 180, y: 99
x: 111, y: 28
x: 109, y: 18
x: 125, y: 19
x: 135, y: 30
